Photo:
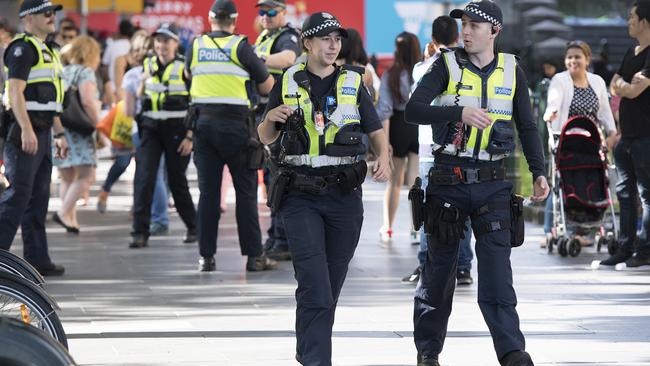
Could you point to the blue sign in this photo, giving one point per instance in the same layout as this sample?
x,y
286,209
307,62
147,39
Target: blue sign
x,y
385,19
212,55
349,91
502,91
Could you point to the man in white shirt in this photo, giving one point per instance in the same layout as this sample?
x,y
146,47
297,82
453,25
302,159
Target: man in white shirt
x,y
444,35
114,49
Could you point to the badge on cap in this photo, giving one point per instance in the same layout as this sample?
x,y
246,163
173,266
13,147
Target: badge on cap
x,y
328,16
18,51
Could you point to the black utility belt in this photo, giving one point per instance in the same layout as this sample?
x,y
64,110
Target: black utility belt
x,y
461,175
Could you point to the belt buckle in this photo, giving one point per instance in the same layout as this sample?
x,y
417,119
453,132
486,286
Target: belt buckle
x,y
471,176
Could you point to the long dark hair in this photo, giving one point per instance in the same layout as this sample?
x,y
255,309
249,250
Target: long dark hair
x,y
407,54
352,49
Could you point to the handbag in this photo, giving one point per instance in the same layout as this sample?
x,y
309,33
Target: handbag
x,y
74,117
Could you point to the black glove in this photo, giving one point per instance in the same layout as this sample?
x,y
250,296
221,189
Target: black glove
x,y
450,224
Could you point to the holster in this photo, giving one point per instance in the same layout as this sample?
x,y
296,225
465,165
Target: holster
x,y
352,177
190,118
5,119
279,186
517,227
416,196
255,153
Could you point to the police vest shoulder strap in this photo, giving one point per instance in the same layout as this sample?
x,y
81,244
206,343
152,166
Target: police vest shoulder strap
x,y
509,69
291,85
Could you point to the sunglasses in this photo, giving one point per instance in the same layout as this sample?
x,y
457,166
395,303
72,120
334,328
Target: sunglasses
x,y
269,13
48,13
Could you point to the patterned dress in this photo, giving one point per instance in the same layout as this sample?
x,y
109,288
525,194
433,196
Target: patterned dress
x,y
82,148
584,103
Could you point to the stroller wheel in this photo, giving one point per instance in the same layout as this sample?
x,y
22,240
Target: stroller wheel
x,y
611,246
574,247
562,246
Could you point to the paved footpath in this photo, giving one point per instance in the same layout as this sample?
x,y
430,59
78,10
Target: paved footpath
x,y
151,307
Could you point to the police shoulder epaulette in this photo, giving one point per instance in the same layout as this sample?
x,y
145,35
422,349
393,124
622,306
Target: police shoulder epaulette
x,y
358,69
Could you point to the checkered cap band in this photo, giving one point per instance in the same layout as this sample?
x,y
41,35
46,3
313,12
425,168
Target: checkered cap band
x,y
473,8
35,9
329,23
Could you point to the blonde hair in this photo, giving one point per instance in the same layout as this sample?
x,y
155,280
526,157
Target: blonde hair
x,y
140,45
84,50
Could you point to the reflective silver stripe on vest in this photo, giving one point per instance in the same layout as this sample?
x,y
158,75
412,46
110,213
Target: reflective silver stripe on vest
x,y
161,88
509,66
318,161
455,73
41,74
164,114
451,149
219,69
36,106
463,100
219,100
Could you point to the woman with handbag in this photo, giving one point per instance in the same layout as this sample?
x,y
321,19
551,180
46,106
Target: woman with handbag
x,y
77,170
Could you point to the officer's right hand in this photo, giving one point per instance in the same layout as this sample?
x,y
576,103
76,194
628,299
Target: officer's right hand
x,y
279,114
476,117
30,142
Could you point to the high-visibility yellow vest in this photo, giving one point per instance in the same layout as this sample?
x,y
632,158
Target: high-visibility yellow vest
x,y
217,75
496,94
346,116
48,70
160,87
264,43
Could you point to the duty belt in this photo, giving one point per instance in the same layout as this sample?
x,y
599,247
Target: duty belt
x,y
459,175
318,161
312,184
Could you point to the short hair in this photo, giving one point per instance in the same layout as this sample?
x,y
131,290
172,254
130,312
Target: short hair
x,y
84,50
222,19
126,28
444,30
581,45
70,28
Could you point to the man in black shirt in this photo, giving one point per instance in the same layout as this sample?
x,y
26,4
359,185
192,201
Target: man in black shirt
x,y
35,94
632,153
479,96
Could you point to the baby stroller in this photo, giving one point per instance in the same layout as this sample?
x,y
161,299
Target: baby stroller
x,y
581,193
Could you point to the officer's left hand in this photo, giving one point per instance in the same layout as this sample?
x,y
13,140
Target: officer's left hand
x,y
382,169
540,189
61,145
185,148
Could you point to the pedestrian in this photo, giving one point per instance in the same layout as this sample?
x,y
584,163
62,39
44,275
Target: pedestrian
x,y
277,46
222,65
115,48
473,97
165,102
78,168
35,96
444,37
394,92
354,53
576,92
632,153
322,110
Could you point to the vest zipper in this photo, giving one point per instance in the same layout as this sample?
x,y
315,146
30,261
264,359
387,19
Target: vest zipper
x,y
479,133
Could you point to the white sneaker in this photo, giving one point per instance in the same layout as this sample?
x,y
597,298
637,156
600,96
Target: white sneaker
x,y
385,236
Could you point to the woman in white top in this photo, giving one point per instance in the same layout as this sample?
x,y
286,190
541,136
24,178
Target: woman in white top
x,y
577,92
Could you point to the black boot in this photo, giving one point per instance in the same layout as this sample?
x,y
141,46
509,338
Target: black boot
x,y
516,358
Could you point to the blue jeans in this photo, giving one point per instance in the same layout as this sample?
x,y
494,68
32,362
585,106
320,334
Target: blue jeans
x,y
117,169
465,254
548,214
159,212
633,165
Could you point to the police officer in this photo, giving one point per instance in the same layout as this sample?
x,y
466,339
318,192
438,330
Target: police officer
x,y
35,95
165,102
222,66
479,96
278,47
318,113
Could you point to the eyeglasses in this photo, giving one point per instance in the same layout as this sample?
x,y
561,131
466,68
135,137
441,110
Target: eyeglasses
x,y
48,13
269,13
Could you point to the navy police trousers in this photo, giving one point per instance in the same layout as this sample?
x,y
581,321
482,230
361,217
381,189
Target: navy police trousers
x,y
496,295
323,232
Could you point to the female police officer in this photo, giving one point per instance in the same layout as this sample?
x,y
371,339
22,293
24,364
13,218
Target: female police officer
x,y
478,96
317,189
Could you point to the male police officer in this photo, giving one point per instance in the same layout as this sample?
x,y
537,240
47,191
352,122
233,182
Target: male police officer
x,y
479,96
278,47
35,96
164,107
222,66
322,110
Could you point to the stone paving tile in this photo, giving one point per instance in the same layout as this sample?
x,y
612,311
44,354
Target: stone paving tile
x,y
151,307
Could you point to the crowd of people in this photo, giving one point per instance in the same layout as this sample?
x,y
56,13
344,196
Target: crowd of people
x,y
218,99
